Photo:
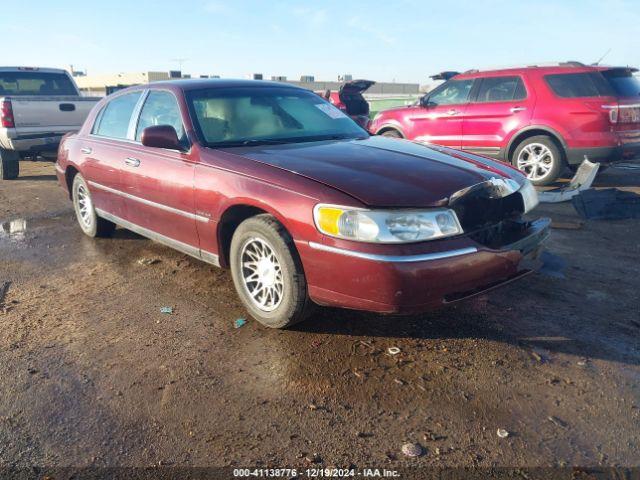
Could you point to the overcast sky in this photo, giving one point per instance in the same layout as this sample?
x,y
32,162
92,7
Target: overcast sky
x,y
401,40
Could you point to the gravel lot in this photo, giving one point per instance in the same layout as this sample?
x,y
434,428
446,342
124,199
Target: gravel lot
x,y
92,374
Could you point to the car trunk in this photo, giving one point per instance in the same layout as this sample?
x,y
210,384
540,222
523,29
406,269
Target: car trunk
x,y
350,95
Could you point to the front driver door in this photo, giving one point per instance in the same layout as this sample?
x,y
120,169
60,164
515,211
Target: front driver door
x,y
439,119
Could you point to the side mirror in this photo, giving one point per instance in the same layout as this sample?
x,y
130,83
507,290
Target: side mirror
x,y
424,102
161,136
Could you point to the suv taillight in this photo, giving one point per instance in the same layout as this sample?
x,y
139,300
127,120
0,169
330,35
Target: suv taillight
x,y
614,111
6,115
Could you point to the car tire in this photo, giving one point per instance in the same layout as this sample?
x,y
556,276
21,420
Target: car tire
x,y
9,165
391,134
548,163
264,260
89,221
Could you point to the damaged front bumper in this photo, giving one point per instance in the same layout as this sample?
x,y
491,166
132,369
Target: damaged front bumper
x,y
406,281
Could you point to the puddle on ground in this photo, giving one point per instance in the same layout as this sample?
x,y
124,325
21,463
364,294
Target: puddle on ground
x,y
14,229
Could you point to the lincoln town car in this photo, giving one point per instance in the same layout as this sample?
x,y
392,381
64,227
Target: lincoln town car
x,y
301,204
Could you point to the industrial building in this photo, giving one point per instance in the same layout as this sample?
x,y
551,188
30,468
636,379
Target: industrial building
x,y
104,84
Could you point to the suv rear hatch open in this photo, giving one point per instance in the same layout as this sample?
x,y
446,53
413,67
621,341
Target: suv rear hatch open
x,y
350,95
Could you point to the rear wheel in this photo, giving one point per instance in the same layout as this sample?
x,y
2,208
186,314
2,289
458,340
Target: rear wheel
x,y
391,134
267,273
88,220
9,165
540,159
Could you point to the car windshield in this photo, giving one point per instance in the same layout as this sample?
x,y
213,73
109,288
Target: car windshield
x,y
262,115
623,82
35,83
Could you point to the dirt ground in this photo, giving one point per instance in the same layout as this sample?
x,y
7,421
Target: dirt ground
x,y
92,374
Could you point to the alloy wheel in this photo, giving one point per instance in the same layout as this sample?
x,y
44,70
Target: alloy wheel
x,y
535,160
262,274
85,206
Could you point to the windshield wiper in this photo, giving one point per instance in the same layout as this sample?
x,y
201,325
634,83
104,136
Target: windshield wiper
x,y
247,143
282,141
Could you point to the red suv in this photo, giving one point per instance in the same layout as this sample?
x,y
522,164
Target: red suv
x,y
540,119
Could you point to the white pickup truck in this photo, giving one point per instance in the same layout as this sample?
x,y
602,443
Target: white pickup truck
x,y
37,107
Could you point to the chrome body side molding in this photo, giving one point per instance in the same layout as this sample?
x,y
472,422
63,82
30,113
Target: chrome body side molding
x,y
166,208
205,256
423,257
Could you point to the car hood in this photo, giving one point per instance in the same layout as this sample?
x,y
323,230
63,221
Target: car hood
x,y
383,172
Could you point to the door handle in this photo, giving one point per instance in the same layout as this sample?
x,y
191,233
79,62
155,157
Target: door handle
x,y
132,162
453,111
86,150
517,109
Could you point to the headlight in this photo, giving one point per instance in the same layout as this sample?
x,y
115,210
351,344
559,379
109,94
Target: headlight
x,y
529,196
386,226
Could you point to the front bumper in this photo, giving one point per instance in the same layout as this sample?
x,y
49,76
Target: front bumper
x,y
418,282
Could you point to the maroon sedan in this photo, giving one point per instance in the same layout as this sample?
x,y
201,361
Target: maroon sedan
x,y
303,206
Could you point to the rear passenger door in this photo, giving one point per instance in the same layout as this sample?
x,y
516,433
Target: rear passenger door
x,y
499,106
103,150
159,182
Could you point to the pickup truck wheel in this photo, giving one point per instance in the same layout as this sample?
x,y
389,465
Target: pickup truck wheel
x,y
89,222
540,159
9,165
391,134
267,273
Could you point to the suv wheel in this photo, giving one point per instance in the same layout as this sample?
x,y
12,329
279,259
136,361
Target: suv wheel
x,y
267,273
391,134
9,165
540,159
88,220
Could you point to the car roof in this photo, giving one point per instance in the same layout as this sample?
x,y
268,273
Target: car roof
x,y
569,67
200,83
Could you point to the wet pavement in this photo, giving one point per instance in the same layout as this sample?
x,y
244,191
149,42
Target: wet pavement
x,y
92,373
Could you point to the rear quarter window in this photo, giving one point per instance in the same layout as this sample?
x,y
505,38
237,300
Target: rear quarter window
x,y
577,85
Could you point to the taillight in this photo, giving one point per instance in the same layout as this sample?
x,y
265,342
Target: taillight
x,y
6,114
613,112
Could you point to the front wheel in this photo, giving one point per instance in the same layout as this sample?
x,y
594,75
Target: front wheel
x,y
88,220
9,165
267,273
540,159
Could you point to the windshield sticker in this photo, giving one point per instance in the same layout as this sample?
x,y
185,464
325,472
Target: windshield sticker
x,y
330,111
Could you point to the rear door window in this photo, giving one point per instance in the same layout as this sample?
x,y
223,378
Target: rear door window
x,y
36,83
576,85
160,108
501,89
113,120
452,92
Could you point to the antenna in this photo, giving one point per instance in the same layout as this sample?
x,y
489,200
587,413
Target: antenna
x,y
602,57
179,61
